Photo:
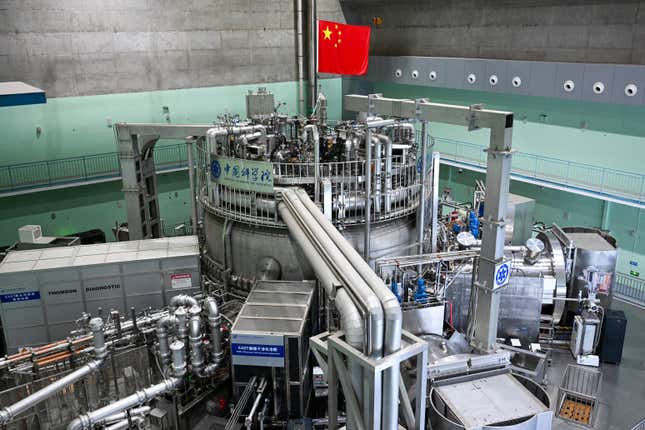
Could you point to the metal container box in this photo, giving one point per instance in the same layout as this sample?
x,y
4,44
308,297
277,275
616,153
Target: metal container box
x,y
597,252
43,292
270,338
519,219
260,103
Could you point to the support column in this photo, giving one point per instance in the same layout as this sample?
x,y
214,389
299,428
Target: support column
x,y
485,292
139,183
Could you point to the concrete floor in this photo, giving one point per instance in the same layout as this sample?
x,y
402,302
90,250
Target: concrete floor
x,y
622,390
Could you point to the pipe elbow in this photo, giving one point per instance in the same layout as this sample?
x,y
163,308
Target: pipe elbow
x,y
182,300
77,424
392,309
212,308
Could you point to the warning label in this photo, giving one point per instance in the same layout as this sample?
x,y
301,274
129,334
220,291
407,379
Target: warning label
x,y
181,280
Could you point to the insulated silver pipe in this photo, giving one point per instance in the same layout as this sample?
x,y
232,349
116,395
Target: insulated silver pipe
x,y
125,424
195,339
182,300
181,318
351,320
390,306
214,321
100,350
345,272
88,420
143,410
164,324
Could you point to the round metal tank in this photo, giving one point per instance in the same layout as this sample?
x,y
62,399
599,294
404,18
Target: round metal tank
x,y
441,418
244,248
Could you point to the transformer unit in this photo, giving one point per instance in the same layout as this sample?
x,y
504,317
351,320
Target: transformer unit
x,y
270,338
43,291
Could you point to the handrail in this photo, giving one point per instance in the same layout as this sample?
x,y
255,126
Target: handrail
x,y
630,289
623,186
582,178
38,175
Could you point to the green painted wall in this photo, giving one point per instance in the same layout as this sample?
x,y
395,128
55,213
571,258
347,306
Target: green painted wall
x,y
625,223
594,133
66,211
74,126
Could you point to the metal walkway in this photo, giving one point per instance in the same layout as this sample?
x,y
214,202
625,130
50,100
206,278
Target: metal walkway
x,y
603,183
593,181
75,171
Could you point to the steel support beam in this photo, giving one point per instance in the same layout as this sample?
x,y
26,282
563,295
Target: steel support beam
x,y
500,123
135,145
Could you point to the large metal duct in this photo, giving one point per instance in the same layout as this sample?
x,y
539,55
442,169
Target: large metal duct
x,y
391,310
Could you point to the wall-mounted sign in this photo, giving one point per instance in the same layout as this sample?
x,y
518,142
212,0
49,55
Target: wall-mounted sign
x,y
243,174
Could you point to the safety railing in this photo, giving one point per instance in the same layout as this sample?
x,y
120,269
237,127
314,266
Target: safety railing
x,y
548,171
77,170
603,181
395,191
630,288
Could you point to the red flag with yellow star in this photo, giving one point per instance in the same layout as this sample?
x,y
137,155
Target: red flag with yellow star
x,y
343,49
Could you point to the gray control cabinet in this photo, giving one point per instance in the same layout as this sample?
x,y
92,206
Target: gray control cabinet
x,y
43,292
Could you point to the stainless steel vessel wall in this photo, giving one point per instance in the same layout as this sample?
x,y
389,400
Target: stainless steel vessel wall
x,y
249,244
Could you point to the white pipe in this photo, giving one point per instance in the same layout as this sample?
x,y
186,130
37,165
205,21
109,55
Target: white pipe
x,y
344,270
351,320
214,321
390,306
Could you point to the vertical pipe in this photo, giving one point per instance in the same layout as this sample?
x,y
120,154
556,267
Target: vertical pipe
x,y
313,54
191,181
434,216
368,192
300,54
422,196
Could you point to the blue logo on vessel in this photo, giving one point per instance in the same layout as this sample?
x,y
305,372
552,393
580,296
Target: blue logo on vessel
x,y
20,297
258,350
216,169
502,275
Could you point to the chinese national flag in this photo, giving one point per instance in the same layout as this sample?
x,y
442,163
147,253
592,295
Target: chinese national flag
x,y
343,49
